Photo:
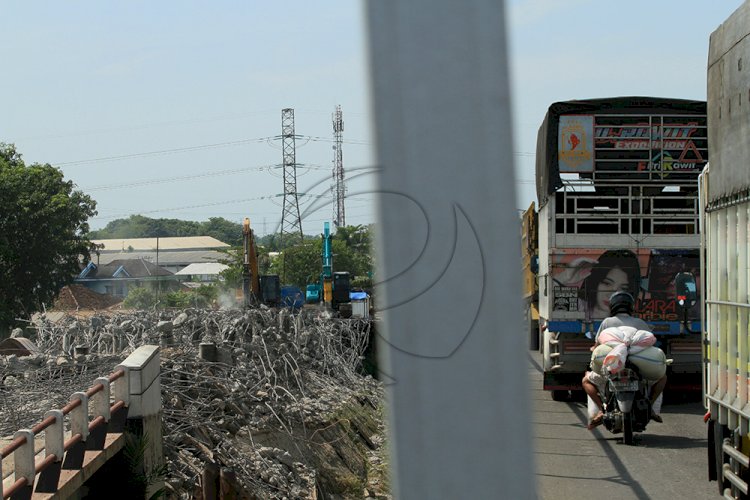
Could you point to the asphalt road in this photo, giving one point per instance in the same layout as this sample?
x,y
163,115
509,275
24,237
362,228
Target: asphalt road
x,y
668,461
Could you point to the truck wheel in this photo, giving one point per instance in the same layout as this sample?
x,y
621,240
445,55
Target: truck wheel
x,y
720,432
559,395
533,326
711,448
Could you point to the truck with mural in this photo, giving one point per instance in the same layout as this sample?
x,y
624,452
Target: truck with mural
x,y
529,268
617,186
725,204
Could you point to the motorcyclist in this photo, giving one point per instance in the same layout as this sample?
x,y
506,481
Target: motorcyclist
x,y
621,306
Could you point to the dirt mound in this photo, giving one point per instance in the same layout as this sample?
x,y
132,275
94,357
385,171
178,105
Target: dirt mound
x,y
77,297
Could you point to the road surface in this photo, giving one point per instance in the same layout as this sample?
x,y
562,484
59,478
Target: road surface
x,y
669,460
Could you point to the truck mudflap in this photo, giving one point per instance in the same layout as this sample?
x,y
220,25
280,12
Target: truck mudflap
x,y
685,373
683,382
563,381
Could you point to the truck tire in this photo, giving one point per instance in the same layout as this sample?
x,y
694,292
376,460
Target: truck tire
x,y
711,448
533,327
559,395
719,433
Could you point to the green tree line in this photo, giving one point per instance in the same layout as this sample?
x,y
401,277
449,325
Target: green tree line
x,y
43,235
138,226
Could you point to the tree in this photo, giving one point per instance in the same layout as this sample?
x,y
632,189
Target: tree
x,y
223,230
358,256
43,234
140,298
300,264
138,226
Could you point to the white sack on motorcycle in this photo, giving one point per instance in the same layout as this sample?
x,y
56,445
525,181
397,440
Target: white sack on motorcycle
x,y
636,345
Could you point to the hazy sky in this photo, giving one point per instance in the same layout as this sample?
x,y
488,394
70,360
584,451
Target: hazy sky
x,y
170,109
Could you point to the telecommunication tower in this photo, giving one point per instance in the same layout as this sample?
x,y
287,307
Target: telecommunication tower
x,y
291,223
339,189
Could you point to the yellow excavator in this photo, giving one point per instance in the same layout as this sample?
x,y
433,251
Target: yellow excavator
x,y
256,289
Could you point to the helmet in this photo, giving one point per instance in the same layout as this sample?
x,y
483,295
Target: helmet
x,y
621,302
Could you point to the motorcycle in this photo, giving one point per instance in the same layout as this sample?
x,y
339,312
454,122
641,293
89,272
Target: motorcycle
x,y
627,408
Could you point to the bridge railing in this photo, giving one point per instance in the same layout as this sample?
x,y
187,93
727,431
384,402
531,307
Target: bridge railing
x,y
85,412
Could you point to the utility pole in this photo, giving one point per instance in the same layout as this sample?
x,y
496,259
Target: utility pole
x,y
291,223
339,190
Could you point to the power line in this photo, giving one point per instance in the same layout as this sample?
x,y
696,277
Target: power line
x,y
316,138
164,151
188,207
240,142
148,182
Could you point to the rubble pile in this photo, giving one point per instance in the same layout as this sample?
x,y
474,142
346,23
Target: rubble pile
x,y
275,399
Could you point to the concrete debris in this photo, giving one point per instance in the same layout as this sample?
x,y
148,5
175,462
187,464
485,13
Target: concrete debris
x,y
273,401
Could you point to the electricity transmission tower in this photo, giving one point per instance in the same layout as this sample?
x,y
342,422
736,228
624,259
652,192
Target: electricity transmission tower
x,y
291,222
339,190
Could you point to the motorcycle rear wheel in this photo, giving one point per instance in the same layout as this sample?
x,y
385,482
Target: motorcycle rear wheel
x,y
627,428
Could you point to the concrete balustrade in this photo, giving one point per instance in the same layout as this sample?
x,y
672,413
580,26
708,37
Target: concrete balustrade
x,y
134,387
79,416
54,435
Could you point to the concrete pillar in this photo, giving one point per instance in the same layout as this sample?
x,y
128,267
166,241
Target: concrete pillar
x,y
144,411
208,352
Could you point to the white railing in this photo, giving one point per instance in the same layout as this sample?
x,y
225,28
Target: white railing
x,y
85,412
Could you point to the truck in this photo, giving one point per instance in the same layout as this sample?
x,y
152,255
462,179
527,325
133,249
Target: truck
x,y
529,269
617,188
725,289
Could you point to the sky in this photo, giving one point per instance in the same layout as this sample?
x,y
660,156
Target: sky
x,y
173,109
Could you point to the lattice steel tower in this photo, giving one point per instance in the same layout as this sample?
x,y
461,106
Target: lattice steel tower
x,y
339,189
291,223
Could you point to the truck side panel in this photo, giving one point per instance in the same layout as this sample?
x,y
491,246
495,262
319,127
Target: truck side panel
x,y
725,202
726,191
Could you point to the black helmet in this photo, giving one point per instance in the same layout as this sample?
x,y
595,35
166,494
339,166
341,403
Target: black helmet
x,y
620,302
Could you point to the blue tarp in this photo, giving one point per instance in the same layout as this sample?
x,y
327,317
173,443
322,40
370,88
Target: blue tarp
x,y
357,295
291,296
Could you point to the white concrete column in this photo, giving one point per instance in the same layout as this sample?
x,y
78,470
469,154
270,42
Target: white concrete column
x,y
144,413
144,381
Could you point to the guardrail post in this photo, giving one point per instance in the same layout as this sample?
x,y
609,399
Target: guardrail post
x,y
121,387
24,457
54,436
79,416
101,399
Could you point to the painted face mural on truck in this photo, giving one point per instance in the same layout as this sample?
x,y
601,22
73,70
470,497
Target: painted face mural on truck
x,y
585,279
